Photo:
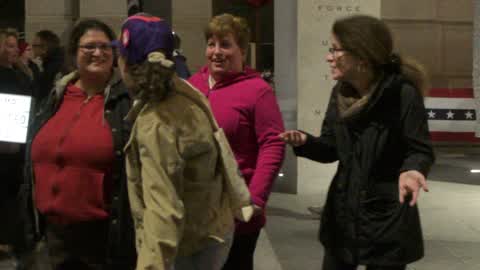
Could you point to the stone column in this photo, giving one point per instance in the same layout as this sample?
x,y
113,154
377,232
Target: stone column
x,y
303,84
112,12
189,18
286,82
476,61
55,15
159,8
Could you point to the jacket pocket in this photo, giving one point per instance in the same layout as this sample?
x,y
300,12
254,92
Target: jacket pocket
x,y
194,149
381,213
83,191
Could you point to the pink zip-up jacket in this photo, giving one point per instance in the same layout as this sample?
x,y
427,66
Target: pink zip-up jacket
x,y
245,106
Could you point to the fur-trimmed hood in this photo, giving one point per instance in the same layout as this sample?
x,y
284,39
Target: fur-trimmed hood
x,y
62,83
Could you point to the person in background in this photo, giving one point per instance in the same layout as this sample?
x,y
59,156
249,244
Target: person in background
x,y
75,193
246,108
12,81
179,59
25,54
46,47
376,128
183,217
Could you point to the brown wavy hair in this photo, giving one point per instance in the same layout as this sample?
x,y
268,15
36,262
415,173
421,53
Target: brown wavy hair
x,y
370,39
151,80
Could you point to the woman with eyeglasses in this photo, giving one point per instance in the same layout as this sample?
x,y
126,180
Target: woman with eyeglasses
x,y
376,128
75,163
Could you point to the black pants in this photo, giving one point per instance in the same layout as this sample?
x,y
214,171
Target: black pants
x,y
78,246
241,253
11,224
330,262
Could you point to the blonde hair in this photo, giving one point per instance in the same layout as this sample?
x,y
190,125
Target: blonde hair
x,y
225,24
8,32
12,32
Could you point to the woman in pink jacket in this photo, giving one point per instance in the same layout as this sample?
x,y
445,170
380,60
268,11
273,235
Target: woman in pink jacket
x,y
246,108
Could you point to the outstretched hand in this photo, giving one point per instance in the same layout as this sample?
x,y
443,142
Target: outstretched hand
x,y
294,137
410,182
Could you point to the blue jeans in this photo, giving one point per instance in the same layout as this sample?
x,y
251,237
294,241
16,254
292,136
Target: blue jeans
x,y
212,257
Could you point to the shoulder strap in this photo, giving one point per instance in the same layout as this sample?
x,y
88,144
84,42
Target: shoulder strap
x,y
235,185
187,90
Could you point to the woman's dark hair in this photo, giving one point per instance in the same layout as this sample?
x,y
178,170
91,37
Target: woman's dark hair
x,y
83,26
51,40
370,39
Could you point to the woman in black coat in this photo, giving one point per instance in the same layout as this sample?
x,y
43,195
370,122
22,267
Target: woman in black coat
x,y
376,128
12,81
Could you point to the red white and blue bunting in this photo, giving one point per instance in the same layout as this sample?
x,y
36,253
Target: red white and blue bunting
x,y
476,62
452,115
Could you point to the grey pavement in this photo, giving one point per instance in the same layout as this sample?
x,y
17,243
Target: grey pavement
x,y
450,220
449,213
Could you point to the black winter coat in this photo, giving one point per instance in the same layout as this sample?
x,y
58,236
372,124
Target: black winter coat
x,y
363,221
121,252
52,67
181,66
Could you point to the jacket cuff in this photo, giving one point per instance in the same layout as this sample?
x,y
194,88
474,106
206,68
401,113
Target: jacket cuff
x,y
421,166
301,150
259,202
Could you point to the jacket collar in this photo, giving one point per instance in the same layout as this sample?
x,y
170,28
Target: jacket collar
x,y
55,55
231,78
351,106
110,92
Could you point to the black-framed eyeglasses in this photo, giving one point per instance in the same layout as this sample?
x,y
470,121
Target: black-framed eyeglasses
x,y
333,51
91,47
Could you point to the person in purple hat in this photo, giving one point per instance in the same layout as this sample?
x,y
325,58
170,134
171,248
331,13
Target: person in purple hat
x,y
183,218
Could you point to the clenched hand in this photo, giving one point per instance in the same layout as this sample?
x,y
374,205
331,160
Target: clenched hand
x,y
294,137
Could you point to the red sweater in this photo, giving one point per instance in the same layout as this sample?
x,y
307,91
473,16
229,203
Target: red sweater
x,y
72,158
245,106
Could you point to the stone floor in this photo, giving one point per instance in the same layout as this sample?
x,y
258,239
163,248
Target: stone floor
x,y
449,212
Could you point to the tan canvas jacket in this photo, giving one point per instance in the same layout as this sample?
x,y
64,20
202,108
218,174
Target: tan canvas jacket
x,y
176,192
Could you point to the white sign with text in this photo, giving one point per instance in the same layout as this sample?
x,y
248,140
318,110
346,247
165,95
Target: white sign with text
x,y
14,114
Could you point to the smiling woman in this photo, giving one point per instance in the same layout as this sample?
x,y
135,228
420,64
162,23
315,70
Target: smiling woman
x,y
93,54
79,175
376,128
246,108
